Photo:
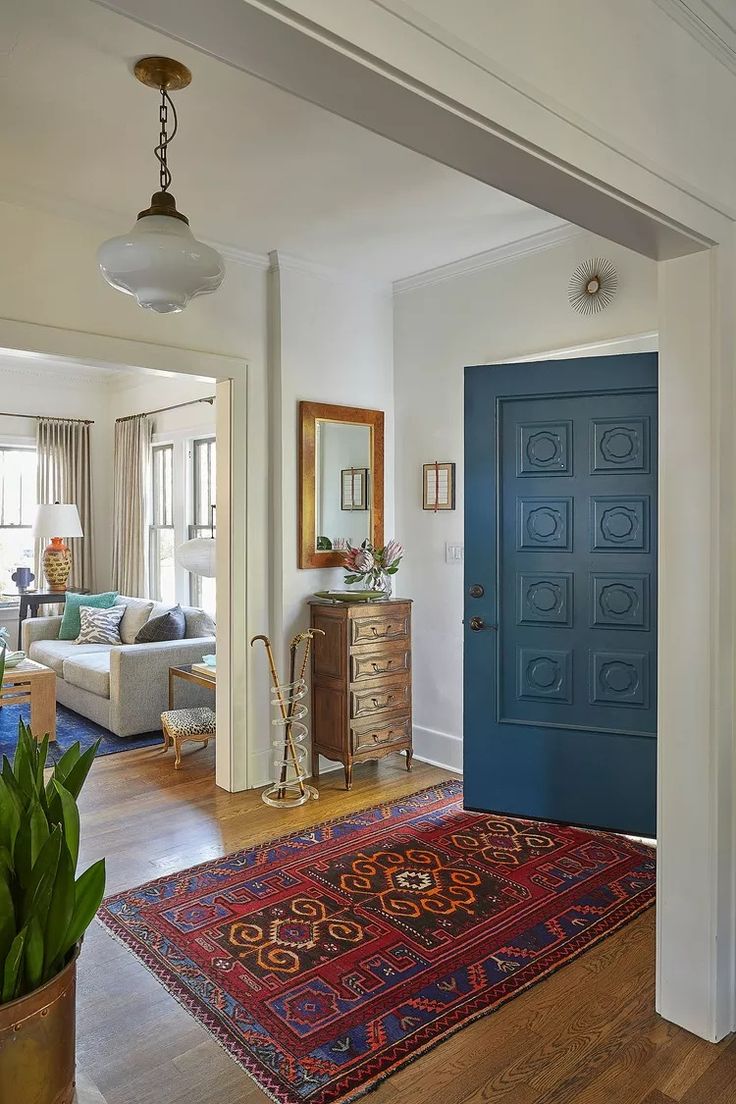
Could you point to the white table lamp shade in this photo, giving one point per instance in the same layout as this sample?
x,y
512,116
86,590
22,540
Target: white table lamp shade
x,y
198,556
57,519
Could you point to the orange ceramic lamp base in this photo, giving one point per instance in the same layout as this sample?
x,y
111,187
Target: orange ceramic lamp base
x,y
57,564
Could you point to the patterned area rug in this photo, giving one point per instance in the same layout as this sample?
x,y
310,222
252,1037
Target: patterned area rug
x,y
70,727
326,960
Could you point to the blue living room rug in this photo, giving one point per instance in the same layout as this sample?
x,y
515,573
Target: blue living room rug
x,y
70,727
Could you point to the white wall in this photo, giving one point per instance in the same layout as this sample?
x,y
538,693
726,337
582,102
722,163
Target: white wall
x,y
332,341
502,312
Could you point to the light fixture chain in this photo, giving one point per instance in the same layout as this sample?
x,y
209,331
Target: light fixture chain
x,y
163,141
164,138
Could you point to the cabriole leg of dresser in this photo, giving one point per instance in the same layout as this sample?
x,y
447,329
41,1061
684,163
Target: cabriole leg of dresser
x,y
348,776
409,757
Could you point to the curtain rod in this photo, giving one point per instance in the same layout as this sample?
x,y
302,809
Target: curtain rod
x,y
162,409
46,418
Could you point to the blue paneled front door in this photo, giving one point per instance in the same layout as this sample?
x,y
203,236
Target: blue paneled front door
x,y
560,590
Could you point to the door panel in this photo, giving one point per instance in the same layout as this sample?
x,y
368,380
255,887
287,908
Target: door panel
x,y
560,684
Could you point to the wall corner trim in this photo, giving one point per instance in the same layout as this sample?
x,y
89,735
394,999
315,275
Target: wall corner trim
x,y
501,254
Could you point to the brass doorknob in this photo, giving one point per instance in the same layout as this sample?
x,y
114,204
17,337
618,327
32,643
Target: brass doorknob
x,y
477,623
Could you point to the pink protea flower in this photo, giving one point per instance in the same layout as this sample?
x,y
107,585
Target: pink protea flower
x,y
392,553
349,558
364,561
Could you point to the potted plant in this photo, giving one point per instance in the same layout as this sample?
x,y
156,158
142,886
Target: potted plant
x,y
44,911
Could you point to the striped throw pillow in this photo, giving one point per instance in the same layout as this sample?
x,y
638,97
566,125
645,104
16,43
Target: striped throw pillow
x,y
100,626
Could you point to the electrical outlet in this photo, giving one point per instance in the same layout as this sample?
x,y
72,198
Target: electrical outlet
x,y
454,553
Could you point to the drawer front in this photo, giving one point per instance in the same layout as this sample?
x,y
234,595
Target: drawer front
x,y
369,701
382,735
378,663
387,626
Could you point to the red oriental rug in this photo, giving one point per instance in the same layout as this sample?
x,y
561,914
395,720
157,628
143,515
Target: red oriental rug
x,y
328,959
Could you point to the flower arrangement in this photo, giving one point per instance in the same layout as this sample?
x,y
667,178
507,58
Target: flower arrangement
x,y
373,566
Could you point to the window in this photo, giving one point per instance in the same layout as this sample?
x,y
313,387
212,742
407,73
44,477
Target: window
x,y
17,508
203,454
162,538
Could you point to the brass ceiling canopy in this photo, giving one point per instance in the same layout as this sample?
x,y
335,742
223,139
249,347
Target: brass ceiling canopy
x,y
162,72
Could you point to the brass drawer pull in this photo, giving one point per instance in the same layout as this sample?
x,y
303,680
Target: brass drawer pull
x,y
375,631
381,670
377,701
387,736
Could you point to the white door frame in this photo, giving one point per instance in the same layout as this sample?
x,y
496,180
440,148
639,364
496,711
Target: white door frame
x,y
57,347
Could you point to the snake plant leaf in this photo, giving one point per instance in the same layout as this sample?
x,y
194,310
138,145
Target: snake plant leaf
x,y
7,917
23,768
70,821
34,953
74,780
43,751
37,897
9,817
12,969
62,768
6,862
32,835
61,910
11,784
88,893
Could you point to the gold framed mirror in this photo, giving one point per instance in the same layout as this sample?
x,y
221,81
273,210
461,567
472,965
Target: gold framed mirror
x,y
340,481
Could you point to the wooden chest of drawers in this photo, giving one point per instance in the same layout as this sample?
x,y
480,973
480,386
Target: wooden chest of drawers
x,y
361,682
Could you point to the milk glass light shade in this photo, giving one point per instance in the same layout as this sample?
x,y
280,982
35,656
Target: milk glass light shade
x,y
198,556
161,264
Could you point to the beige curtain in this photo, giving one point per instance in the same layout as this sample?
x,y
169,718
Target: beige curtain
x,y
130,511
64,474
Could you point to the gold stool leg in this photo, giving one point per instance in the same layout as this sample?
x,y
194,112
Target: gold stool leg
x,y
177,749
167,738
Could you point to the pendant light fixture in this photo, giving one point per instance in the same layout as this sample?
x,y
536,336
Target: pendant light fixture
x,y
160,261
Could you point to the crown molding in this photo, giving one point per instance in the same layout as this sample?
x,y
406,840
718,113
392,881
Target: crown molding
x,y
288,262
704,22
501,254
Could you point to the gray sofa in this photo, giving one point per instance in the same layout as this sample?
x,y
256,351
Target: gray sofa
x,y
124,688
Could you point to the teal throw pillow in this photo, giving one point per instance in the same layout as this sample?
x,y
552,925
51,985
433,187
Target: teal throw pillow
x,y
70,623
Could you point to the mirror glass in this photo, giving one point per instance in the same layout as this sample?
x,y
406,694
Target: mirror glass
x,y
343,485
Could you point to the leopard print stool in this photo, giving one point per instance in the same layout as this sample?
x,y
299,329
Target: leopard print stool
x,y
187,724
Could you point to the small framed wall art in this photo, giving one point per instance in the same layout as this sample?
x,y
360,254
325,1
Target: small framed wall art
x,y
354,489
438,486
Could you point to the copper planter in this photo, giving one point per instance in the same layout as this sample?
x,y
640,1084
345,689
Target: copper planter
x,y
37,1041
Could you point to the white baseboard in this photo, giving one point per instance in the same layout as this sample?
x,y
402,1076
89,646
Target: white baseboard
x,y
440,749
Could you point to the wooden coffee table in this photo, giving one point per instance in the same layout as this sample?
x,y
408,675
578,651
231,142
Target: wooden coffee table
x,y
34,683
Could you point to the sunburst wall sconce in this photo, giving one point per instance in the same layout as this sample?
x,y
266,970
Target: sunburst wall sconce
x,y
593,286
160,262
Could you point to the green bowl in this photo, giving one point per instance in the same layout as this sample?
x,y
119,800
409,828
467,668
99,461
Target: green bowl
x,y
351,595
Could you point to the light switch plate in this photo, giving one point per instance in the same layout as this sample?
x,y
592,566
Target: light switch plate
x,y
454,553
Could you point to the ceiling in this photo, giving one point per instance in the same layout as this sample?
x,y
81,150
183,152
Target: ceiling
x,y
253,167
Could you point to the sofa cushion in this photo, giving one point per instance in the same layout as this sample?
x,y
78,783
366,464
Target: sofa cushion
x,y
169,626
89,672
198,623
137,612
52,653
70,621
100,626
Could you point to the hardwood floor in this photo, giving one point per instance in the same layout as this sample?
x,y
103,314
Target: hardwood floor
x,y
586,1035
